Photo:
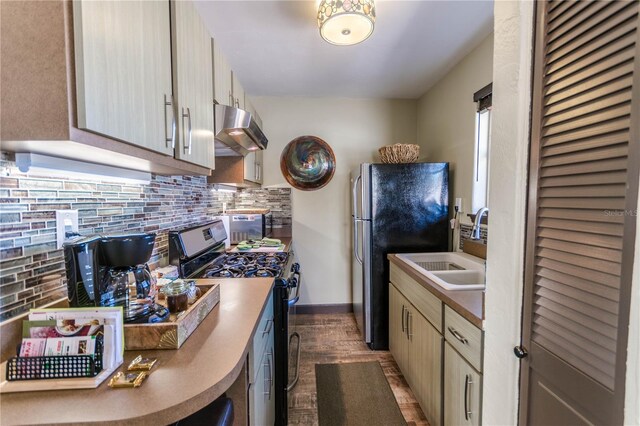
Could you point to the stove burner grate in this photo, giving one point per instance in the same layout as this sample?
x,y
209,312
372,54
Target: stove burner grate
x,y
249,265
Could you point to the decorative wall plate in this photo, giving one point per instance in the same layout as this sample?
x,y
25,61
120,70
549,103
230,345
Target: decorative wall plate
x,y
307,163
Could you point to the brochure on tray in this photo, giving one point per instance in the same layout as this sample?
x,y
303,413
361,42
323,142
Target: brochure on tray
x,y
82,323
111,319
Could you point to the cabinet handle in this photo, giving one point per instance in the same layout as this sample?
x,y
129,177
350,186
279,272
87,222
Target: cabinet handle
x,y
268,376
172,139
268,327
467,394
409,325
403,309
187,147
458,336
237,102
230,98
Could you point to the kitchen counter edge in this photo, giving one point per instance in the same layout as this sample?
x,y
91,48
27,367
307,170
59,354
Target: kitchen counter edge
x,y
185,380
469,304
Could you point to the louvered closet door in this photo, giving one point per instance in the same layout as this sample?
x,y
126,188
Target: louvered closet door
x,y
581,222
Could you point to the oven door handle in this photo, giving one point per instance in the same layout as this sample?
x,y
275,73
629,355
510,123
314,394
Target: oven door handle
x,y
293,382
294,283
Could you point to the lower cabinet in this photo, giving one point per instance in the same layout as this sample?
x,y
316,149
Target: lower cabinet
x,y
261,392
398,342
417,348
462,390
438,351
262,408
425,365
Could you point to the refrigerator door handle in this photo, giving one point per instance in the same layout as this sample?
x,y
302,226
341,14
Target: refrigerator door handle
x,y
354,197
356,246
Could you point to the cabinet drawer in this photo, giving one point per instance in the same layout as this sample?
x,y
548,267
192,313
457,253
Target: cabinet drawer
x,y
425,302
465,337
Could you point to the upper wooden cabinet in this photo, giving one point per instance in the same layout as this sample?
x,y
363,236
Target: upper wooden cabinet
x,y
238,92
253,167
109,109
227,88
123,71
192,85
222,86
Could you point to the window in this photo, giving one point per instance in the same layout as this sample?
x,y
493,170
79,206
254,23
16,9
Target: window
x,y
481,153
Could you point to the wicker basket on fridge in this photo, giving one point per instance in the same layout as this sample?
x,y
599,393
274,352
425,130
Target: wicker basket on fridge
x,y
399,153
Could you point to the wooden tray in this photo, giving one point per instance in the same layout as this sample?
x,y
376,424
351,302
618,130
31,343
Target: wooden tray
x,y
173,333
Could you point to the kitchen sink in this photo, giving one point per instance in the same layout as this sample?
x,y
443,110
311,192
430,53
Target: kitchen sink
x,y
451,271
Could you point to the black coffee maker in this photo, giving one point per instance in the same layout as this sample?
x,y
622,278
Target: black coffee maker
x,y
111,270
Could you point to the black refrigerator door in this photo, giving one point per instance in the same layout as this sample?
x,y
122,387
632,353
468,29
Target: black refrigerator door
x,y
409,213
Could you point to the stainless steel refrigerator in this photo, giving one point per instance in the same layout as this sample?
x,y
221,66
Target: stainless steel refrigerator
x,y
396,208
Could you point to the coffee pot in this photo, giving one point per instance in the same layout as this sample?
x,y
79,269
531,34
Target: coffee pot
x,y
111,270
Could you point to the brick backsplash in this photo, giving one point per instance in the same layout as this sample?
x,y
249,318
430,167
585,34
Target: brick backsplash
x,y
32,269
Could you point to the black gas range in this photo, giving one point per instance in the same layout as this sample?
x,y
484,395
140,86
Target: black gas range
x,y
199,252
248,265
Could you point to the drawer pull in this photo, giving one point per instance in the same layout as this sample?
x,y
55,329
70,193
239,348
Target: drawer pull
x,y
403,309
268,327
458,336
467,386
409,326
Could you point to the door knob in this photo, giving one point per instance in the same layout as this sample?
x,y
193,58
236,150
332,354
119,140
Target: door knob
x,y
520,351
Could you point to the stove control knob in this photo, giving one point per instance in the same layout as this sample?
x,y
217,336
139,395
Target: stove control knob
x,y
295,268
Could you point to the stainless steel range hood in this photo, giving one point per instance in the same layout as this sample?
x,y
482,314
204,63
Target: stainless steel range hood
x,y
237,133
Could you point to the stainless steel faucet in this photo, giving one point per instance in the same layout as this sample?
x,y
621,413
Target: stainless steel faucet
x,y
475,231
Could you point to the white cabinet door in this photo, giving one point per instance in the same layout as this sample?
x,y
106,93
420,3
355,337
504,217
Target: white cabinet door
x,y
262,408
462,390
258,120
222,90
193,85
250,168
398,338
425,365
259,166
123,71
248,106
238,93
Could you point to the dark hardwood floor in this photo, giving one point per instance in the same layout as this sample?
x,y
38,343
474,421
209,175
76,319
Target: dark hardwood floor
x,y
334,338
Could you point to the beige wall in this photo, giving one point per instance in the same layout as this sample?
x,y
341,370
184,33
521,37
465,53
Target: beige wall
x,y
355,129
446,118
513,26
632,391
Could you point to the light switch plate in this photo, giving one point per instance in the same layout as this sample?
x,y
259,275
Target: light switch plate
x,y
66,221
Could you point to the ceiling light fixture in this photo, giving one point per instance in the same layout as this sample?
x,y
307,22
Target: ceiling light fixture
x,y
346,22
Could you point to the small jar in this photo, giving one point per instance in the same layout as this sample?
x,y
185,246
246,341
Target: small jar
x,y
177,295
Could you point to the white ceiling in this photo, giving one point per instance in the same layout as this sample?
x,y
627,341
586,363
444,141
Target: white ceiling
x,y
275,49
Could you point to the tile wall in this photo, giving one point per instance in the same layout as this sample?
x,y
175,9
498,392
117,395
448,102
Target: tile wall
x,y
465,233
276,199
32,269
